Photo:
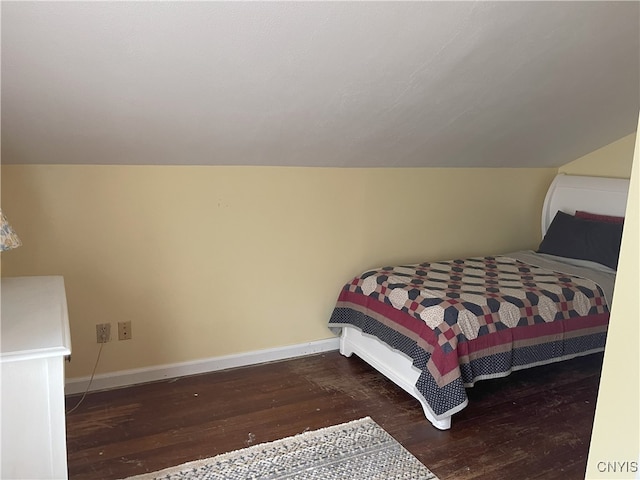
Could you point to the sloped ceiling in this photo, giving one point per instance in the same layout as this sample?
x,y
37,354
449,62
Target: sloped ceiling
x,y
357,84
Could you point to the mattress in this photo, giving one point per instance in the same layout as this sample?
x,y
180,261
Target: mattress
x,y
469,319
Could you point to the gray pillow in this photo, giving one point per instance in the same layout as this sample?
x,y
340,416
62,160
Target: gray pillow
x,y
573,237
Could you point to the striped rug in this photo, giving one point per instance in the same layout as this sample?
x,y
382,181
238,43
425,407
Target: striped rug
x,y
360,449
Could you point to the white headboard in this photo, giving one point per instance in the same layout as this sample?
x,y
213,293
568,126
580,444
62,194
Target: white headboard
x,y
568,193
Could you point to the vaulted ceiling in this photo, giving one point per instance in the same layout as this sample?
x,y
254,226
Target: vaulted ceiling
x,y
353,84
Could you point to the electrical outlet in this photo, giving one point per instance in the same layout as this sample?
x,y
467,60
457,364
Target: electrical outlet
x,y
103,332
124,330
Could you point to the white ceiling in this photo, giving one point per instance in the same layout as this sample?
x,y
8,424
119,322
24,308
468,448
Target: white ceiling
x,y
353,84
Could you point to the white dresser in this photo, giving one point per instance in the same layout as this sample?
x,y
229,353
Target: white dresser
x,y
34,341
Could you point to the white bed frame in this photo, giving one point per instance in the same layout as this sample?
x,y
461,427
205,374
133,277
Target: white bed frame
x,y
568,193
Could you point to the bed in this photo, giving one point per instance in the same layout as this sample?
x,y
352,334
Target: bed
x,y
436,328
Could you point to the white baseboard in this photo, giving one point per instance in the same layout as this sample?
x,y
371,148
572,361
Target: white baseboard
x,y
125,378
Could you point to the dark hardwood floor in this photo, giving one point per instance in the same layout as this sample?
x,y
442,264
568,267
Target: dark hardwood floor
x,y
534,424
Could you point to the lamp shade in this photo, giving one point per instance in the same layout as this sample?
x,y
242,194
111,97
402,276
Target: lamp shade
x,y
8,238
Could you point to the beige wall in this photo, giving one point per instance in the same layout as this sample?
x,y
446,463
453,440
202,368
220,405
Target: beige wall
x,y
617,422
613,160
211,261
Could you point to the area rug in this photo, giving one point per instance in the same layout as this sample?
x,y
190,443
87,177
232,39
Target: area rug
x,y
356,450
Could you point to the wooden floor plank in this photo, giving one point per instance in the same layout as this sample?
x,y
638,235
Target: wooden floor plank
x,y
533,424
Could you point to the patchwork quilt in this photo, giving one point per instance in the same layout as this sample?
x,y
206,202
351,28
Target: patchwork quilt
x,y
469,319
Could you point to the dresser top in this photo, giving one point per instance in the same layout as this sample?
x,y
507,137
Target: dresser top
x,y
34,322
